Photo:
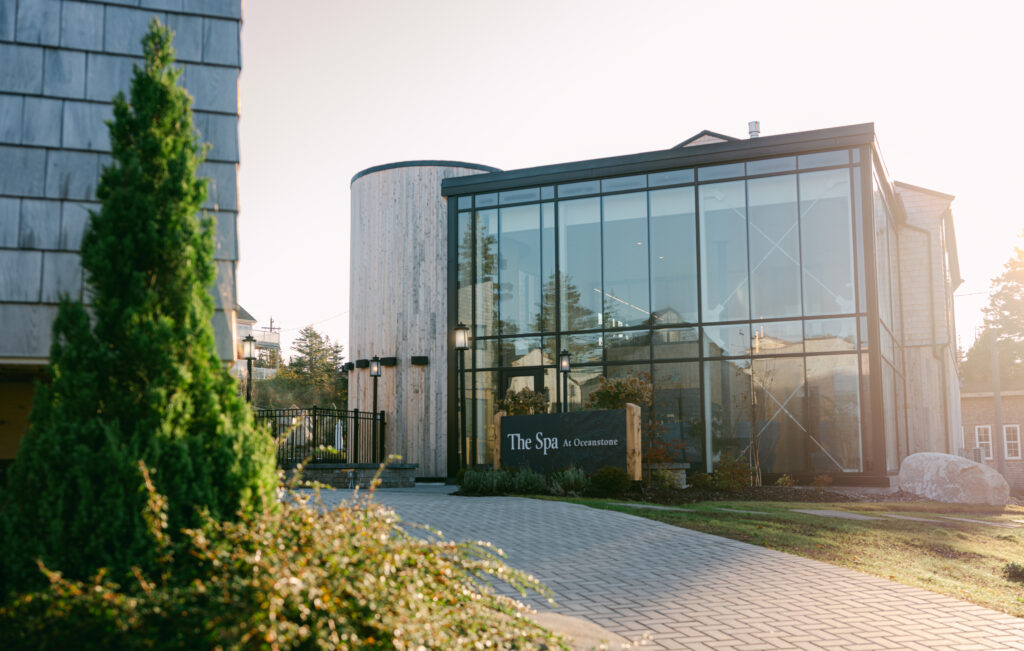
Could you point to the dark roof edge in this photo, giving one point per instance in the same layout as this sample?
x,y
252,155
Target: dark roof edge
x,y
243,314
703,133
920,189
719,152
423,163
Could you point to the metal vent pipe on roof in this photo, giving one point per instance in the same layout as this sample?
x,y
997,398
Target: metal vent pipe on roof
x,y
754,128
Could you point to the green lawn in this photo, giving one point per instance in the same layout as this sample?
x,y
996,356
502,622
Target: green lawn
x,y
965,560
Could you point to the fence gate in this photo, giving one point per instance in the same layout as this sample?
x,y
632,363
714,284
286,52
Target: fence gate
x,y
305,435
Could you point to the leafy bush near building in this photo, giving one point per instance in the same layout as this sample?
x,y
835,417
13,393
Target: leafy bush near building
x,y
609,481
137,376
731,475
298,577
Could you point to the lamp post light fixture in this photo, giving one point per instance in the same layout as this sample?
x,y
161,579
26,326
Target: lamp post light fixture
x,y
461,345
375,374
564,367
249,353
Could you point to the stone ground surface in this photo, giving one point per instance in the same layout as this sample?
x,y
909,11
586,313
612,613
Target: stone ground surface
x,y
690,590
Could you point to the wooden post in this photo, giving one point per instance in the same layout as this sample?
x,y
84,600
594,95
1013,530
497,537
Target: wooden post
x,y
495,440
634,465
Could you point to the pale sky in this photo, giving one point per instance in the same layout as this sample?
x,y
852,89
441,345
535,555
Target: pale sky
x,y
331,87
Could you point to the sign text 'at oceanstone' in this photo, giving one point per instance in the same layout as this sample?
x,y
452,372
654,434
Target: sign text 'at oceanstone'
x,y
551,442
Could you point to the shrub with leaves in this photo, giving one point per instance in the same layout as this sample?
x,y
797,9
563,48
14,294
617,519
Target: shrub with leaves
x,y
617,392
485,482
1014,572
300,577
609,481
137,376
731,475
702,480
822,481
786,480
571,482
525,402
528,482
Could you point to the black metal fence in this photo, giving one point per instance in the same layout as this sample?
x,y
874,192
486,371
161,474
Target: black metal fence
x,y
326,435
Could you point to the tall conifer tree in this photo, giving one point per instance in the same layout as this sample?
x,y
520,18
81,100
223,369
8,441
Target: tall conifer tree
x,y
137,376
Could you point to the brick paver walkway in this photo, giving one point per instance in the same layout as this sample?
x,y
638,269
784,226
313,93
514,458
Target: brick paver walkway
x,y
691,590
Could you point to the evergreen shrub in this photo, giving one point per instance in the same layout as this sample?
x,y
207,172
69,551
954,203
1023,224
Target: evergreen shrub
x,y
528,482
571,482
485,482
609,481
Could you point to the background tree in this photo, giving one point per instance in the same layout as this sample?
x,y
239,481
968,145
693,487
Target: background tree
x,y
313,376
1005,315
139,378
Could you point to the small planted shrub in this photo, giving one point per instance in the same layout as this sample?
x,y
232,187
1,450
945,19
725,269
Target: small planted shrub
x,y
571,482
609,481
731,475
822,481
786,480
525,402
1014,572
702,481
485,482
528,482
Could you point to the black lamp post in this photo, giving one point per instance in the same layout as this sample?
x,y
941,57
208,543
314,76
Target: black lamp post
x,y
461,344
375,374
563,368
249,353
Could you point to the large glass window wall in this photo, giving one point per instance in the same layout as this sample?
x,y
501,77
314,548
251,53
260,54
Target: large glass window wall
x,y
738,289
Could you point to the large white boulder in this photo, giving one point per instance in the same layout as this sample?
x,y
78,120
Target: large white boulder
x,y
952,479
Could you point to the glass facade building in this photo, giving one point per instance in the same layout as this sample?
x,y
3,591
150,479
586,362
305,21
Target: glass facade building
x,y
755,281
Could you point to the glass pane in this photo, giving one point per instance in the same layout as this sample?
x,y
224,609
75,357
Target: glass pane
x,y
827,335
642,371
679,427
520,273
486,200
727,340
858,232
464,273
782,442
670,178
583,382
826,242
624,183
894,284
522,351
864,333
485,354
777,338
824,159
881,234
770,165
580,258
547,192
482,407
892,448
727,409
833,398
465,203
584,348
676,342
519,196
723,251
626,290
774,247
622,346
673,256
577,189
486,273
714,172
548,274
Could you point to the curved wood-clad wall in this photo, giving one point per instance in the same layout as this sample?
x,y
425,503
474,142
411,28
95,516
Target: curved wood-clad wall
x,y
399,304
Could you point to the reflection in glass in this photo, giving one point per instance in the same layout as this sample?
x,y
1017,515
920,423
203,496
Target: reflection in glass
x,y
465,203
545,320
726,409
486,273
577,189
770,165
623,346
584,348
464,273
520,268
715,172
826,242
674,343
485,353
582,382
482,407
547,192
486,200
833,395
580,258
626,290
892,447
519,196
642,371
673,256
774,247
677,413
827,335
670,178
723,251
883,281
824,159
521,351
777,338
624,183
782,442
727,340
